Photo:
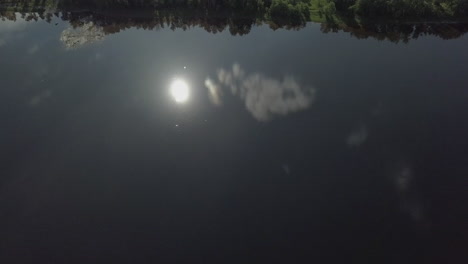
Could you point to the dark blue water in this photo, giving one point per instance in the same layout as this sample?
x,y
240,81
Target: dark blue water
x,y
273,147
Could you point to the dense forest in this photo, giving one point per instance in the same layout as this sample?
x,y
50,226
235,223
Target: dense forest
x,y
406,19
296,10
111,23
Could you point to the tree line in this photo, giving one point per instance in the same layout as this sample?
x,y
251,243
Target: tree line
x,y
112,23
292,11
239,16
404,8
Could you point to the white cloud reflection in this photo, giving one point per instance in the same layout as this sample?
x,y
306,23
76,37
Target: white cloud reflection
x,y
38,99
33,49
214,91
88,33
410,201
263,96
357,136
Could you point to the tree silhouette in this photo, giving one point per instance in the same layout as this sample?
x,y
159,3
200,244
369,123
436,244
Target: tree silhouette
x,y
236,16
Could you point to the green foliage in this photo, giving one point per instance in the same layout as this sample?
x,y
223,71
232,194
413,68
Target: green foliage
x,y
296,11
327,7
410,8
216,16
250,5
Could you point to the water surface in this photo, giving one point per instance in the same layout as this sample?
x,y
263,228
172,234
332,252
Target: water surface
x,y
173,146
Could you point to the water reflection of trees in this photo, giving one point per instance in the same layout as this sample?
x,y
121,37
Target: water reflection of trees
x,y
236,24
113,22
213,24
397,32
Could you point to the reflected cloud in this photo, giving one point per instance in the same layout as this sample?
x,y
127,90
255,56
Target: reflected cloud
x,y
409,198
98,56
33,49
88,33
214,91
286,169
263,96
95,57
38,99
358,136
403,179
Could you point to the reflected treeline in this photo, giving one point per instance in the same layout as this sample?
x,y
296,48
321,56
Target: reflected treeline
x,y
116,21
397,32
110,22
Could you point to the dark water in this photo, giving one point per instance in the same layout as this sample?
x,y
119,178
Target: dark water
x,y
291,147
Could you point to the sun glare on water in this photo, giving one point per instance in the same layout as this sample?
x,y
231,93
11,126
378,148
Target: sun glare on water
x,y
180,91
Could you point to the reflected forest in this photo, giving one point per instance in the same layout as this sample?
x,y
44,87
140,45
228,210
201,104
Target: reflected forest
x,y
395,21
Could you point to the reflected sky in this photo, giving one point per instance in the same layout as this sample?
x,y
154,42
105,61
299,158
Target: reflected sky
x,y
166,132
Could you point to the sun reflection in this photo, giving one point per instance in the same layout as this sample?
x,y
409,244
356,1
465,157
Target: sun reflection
x,y
180,91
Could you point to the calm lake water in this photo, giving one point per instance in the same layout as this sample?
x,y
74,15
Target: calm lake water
x,y
286,146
